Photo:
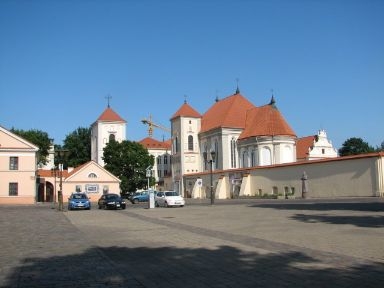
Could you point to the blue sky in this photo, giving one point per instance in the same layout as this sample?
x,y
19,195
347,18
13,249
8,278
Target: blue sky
x,y
323,60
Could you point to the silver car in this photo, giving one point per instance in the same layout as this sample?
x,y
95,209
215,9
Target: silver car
x,y
169,199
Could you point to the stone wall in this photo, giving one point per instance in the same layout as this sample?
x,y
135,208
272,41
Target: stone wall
x,y
353,176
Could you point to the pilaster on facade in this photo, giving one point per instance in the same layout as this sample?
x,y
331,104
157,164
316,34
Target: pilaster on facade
x,y
245,189
222,190
380,175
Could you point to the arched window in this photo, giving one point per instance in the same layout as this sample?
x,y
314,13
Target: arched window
x,y
287,154
266,156
92,175
176,145
216,155
205,150
112,137
245,159
190,143
233,153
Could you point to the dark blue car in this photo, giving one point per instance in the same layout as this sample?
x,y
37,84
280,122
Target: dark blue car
x,y
79,200
111,201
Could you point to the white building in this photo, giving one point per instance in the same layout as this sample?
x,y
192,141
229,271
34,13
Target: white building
x,y
108,126
239,133
315,147
161,170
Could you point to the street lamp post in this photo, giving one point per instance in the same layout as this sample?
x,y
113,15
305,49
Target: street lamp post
x,y
61,154
210,161
54,174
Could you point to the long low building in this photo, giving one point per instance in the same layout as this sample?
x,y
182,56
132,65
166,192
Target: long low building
x,y
350,176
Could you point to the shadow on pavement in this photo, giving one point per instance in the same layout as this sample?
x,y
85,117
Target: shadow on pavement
x,y
360,221
174,267
325,206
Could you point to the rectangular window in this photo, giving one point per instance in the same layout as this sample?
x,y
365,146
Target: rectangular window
x,y
105,189
13,163
91,188
13,189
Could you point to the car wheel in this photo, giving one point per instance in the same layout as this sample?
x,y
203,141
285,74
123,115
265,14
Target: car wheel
x,y
135,201
166,204
100,207
156,204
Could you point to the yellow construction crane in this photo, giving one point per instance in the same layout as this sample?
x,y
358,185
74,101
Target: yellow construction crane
x,y
151,124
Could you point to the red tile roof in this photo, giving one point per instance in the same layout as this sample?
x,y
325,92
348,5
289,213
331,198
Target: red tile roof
x,y
264,121
78,168
228,112
302,147
151,143
49,173
110,116
186,111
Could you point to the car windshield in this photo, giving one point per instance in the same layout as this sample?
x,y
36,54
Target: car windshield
x,y
172,193
112,196
79,196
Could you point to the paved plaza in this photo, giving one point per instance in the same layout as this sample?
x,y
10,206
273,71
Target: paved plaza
x,y
234,243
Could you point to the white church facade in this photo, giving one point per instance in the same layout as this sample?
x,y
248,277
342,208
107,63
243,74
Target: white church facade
x,y
239,134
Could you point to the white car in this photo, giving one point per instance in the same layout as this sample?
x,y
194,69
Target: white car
x,y
169,198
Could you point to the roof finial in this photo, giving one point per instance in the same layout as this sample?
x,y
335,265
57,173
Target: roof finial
x,y
217,96
185,99
237,86
272,103
108,97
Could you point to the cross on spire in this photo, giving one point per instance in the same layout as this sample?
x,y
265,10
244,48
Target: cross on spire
x,y
237,86
108,97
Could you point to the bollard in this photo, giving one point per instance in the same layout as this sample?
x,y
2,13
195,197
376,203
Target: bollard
x,y
304,185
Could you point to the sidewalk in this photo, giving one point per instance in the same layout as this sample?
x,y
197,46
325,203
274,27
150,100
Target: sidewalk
x,y
231,244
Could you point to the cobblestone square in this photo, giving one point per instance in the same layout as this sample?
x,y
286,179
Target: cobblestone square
x,y
234,243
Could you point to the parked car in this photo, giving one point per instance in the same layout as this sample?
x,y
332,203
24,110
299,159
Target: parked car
x,y
79,200
168,199
111,201
137,197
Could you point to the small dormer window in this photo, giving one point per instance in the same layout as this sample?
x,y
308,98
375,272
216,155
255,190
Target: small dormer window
x,y
92,175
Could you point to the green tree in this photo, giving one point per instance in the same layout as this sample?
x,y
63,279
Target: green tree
x,y
38,138
355,146
128,161
381,148
78,143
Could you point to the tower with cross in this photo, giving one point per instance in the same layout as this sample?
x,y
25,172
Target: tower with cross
x,y
109,126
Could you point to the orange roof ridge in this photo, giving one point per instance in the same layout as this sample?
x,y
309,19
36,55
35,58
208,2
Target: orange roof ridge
x,y
110,116
186,111
151,143
266,120
303,145
227,112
